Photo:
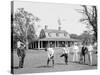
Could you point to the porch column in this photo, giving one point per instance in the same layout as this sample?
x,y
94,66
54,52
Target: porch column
x,y
42,44
38,44
33,44
55,44
48,43
58,44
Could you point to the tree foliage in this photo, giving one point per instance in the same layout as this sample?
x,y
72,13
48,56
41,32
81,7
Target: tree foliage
x,y
90,18
23,25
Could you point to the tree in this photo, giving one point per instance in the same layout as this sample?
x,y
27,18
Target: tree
x,y
90,18
86,37
23,25
74,36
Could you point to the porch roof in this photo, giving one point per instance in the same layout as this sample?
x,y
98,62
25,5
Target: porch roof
x,y
56,39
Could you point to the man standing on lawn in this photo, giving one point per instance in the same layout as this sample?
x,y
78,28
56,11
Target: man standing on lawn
x,y
83,53
50,52
75,53
90,52
65,54
21,52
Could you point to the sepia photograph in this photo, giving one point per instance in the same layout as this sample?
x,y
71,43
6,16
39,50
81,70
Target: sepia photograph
x,y
53,37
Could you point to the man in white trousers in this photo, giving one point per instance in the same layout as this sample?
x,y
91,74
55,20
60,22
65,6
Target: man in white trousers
x,y
50,53
75,53
90,52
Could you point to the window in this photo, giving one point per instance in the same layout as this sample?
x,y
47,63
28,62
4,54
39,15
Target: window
x,y
65,34
57,34
49,34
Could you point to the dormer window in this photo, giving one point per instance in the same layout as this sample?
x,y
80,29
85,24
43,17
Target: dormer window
x,y
57,34
65,34
49,34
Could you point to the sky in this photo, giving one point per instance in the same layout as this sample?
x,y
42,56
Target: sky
x,y
49,13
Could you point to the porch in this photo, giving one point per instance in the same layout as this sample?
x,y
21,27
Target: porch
x,y
56,42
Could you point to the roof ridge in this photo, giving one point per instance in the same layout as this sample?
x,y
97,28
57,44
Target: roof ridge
x,y
52,30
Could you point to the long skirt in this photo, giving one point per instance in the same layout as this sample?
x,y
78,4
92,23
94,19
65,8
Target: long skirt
x,y
76,57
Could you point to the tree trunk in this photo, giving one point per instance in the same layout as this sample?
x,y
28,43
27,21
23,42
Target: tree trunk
x,y
27,27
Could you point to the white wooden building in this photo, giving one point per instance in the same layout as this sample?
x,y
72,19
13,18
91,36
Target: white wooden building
x,y
50,36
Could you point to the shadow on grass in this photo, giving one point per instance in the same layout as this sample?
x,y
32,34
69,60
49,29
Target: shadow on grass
x,y
60,63
16,67
80,63
44,66
87,64
94,65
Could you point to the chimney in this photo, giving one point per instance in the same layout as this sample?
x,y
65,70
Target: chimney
x,y
59,28
46,27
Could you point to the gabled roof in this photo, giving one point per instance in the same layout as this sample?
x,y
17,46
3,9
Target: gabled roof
x,y
51,33
46,37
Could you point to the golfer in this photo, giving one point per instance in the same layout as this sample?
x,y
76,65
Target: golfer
x,y
50,53
65,54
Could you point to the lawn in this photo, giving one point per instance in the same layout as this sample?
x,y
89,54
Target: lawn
x,y
35,62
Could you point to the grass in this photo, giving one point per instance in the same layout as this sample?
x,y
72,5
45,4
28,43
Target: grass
x,y
35,62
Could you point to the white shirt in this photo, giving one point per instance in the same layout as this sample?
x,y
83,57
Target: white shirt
x,y
65,50
90,48
76,49
95,44
50,52
18,44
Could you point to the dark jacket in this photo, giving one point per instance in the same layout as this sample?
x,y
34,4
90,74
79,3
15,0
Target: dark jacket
x,y
21,52
84,50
